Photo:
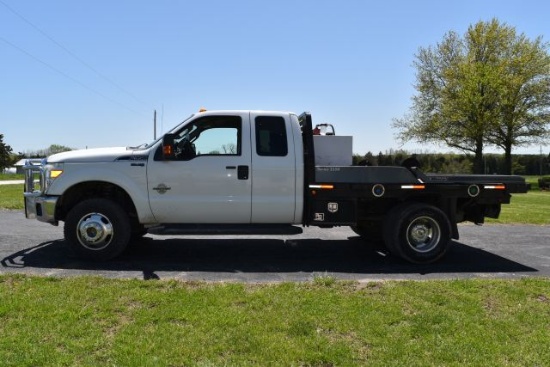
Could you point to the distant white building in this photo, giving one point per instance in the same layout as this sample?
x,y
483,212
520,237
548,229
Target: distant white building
x,y
18,167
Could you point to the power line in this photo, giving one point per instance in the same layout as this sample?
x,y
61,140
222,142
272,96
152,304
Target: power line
x,y
110,81
67,76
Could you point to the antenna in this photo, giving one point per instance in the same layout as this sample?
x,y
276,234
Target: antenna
x,y
162,119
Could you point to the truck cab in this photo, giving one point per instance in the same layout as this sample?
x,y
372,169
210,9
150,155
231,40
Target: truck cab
x,y
228,167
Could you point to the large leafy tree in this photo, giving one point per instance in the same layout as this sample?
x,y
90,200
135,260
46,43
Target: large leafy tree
x,y
489,87
524,98
5,154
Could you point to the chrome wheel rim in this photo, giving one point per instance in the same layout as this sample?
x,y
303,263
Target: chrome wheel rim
x,y
94,231
423,234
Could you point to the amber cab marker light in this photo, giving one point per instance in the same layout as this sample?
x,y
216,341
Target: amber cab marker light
x,y
54,173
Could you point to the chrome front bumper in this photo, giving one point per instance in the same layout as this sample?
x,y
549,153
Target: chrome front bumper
x,y
40,207
37,205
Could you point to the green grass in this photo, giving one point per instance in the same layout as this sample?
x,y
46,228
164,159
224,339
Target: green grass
x,y
90,322
534,181
11,196
530,208
4,176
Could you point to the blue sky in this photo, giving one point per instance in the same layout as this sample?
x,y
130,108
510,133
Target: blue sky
x,y
90,74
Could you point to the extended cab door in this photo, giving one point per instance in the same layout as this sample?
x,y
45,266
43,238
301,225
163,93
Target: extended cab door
x,y
208,180
276,170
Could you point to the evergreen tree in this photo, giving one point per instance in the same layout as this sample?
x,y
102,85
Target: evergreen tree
x,y
5,154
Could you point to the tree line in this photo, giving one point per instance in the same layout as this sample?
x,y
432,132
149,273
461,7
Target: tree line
x,y
523,164
41,153
8,158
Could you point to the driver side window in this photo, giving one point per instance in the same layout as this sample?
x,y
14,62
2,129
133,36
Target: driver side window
x,y
218,141
211,135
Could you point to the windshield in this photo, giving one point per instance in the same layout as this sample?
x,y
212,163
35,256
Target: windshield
x,y
147,145
178,126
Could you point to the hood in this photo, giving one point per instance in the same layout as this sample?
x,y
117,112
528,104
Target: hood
x,y
92,155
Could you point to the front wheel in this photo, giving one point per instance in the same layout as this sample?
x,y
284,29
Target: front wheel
x,y
417,232
97,229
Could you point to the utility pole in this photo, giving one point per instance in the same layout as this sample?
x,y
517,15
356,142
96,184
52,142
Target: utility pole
x,y
155,125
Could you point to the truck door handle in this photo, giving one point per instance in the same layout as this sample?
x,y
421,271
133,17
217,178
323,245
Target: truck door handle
x,y
242,172
230,167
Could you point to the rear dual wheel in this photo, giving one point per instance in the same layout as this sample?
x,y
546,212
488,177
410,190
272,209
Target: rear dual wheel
x,y
417,232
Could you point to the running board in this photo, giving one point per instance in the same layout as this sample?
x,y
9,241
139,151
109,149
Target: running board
x,y
225,229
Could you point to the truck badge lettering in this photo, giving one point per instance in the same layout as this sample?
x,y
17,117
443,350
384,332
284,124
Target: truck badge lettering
x,y
332,207
319,217
161,188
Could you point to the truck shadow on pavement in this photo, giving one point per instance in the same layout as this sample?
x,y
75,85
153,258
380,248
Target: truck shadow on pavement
x,y
268,256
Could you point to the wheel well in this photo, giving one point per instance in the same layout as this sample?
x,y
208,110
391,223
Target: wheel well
x,y
94,189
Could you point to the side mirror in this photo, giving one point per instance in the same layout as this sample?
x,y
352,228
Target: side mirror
x,y
168,146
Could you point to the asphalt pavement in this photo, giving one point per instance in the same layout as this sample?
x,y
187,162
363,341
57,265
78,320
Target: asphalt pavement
x,y
490,251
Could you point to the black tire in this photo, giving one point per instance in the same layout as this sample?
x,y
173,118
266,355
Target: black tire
x,y
417,232
97,229
138,231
